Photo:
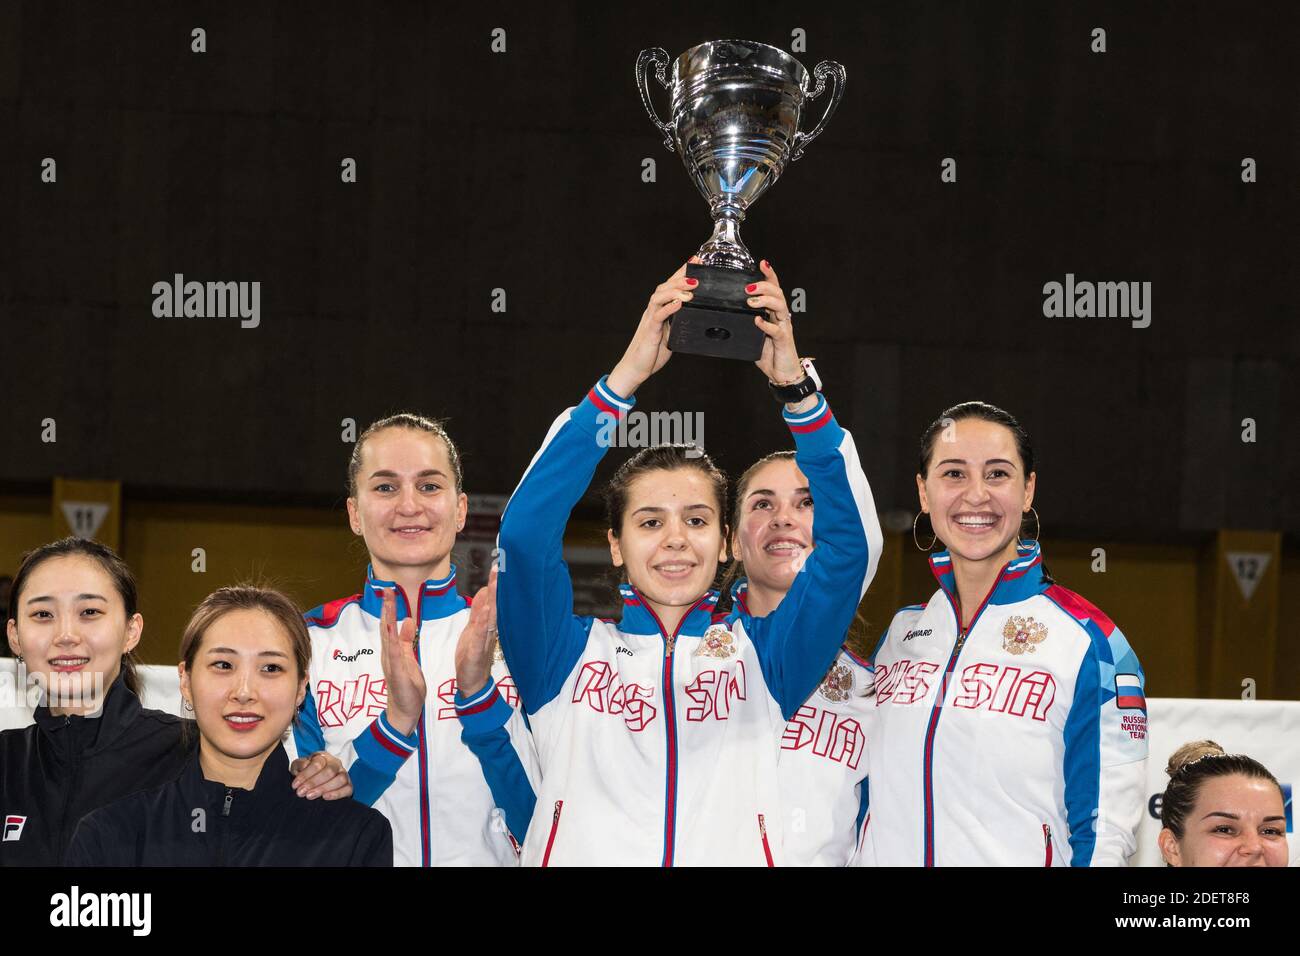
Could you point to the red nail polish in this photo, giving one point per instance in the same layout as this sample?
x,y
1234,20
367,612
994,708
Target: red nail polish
x,y
690,281
751,287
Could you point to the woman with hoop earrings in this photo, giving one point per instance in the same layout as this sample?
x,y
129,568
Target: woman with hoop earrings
x,y
1011,721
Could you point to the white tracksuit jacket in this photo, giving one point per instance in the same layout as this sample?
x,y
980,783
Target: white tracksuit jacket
x,y
655,748
821,767
428,784
1021,743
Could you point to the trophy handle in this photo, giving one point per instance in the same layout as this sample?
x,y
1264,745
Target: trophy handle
x,y
824,69
658,57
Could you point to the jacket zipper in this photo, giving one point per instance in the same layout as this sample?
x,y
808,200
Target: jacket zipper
x,y
670,725
426,852
225,827
1047,844
555,825
927,756
670,737
74,786
762,832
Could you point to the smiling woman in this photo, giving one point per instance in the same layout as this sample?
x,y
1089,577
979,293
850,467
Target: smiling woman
x,y
653,490
78,624
1221,809
243,674
1023,702
821,768
658,732
382,662
74,626
74,623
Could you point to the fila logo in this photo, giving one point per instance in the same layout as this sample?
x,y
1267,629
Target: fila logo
x,y
911,634
340,656
13,827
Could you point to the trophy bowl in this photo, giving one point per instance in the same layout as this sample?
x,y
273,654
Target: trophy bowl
x,y
735,108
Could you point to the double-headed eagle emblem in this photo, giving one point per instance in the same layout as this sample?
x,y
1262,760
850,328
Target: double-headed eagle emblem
x,y
1021,634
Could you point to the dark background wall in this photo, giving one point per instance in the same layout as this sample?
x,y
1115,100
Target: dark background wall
x,y
522,171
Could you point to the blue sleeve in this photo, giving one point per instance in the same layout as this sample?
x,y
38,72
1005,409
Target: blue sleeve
x,y
483,720
1082,765
308,738
797,642
381,750
1105,740
540,637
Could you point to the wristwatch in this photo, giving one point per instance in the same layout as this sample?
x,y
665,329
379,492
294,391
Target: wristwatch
x,y
791,393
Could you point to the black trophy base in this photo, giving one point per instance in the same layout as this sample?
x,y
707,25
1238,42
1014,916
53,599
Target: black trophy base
x,y
717,321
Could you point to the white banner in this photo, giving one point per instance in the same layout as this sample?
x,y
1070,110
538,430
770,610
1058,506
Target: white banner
x,y
1268,730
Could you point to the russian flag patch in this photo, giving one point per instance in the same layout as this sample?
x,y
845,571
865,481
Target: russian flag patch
x,y
1128,692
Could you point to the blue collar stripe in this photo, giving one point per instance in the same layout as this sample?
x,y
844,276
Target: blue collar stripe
x,y
438,597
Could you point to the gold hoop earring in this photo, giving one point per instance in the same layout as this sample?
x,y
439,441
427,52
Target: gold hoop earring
x,y
1038,525
933,537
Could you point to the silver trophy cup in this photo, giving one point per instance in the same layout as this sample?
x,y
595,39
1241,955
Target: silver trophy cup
x,y
735,112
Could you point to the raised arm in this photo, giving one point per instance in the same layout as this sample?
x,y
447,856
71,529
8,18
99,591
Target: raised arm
x,y
540,637
798,641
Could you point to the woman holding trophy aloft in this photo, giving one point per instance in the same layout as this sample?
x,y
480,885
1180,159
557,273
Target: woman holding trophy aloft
x,y
683,710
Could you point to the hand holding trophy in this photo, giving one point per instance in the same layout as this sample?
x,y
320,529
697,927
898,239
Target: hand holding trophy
x,y
735,114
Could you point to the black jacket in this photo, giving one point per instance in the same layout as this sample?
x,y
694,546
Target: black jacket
x,y
55,771
193,821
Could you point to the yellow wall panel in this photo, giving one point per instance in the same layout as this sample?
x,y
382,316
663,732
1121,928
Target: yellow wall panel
x,y
310,554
